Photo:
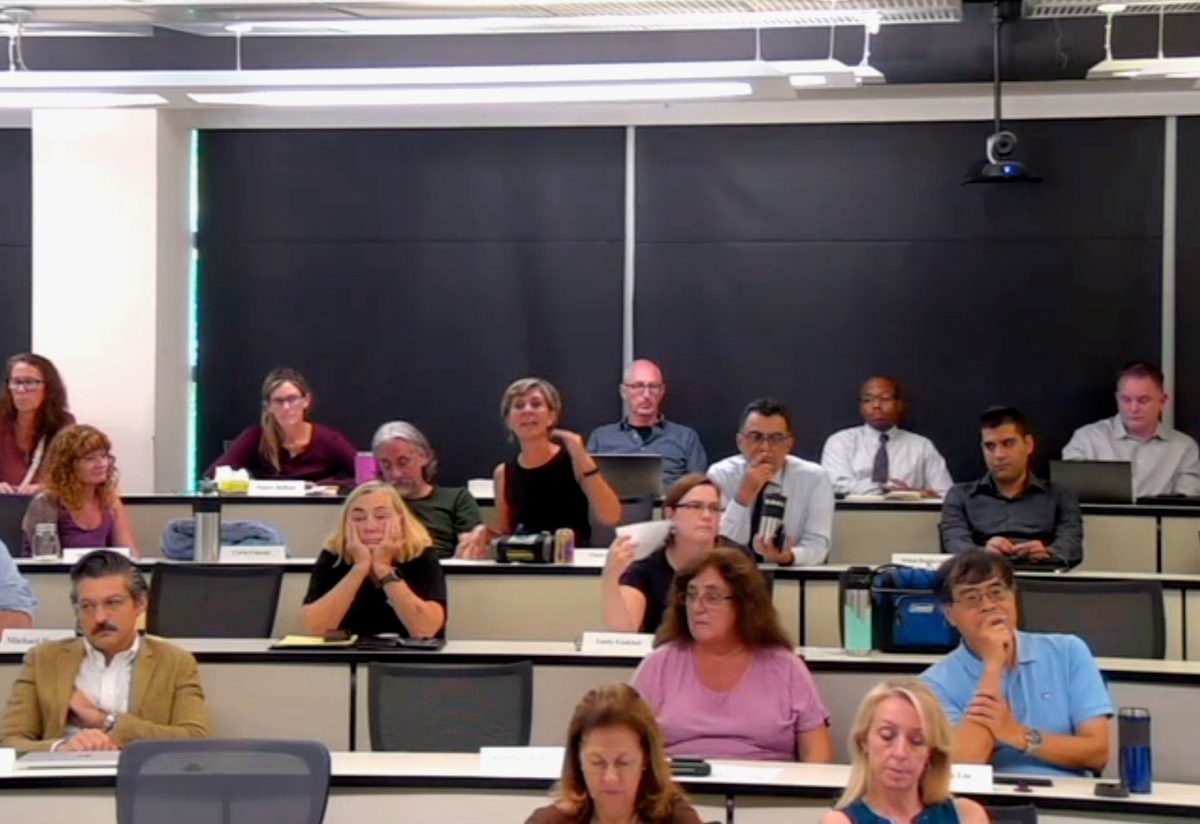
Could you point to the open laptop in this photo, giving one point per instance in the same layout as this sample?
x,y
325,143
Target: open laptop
x,y
632,476
1095,482
84,759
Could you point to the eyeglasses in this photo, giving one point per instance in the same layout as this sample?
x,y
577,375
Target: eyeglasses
x,y
774,439
973,599
97,458
290,400
700,506
112,604
709,598
652,388
25,384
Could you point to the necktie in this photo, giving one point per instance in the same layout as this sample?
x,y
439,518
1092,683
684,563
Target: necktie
x,y
879,470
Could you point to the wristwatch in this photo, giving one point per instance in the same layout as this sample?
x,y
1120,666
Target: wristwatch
x,y
390,578
110,721
1033,741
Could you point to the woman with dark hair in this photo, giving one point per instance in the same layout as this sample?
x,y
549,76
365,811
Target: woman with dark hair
x,y
636,592
80,496
33,408
900,751
551,483
286,445
614,768
725,680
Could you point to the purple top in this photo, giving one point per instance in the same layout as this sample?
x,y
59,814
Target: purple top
x,y
328,458
71,535
760,718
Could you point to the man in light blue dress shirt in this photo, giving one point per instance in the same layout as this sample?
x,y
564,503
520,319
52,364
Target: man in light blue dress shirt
x,y
17,602
1165,460
644,430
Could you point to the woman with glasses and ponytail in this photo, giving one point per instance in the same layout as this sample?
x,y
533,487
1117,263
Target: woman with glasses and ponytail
x,y
33,408
286,444
725,680
636,592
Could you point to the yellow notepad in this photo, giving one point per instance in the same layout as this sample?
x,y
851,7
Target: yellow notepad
x,y
291,641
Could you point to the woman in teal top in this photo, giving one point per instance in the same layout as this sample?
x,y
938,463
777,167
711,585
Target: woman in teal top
x,y
900,767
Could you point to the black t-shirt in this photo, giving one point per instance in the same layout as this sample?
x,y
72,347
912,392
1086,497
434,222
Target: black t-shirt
x,y
547,498
652,576
370,613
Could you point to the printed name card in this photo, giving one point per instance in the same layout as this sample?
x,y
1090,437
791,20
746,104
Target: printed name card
x,y
270,554
971,778
521,762
920,560
8,760
617,643
282,489
20,640
589,557
70,556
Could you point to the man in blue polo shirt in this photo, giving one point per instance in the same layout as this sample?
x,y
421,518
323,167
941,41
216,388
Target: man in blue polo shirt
x,y
1026,702
644,430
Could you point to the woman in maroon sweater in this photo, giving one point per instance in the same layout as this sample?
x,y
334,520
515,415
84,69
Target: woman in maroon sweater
x,y
33,408
286,445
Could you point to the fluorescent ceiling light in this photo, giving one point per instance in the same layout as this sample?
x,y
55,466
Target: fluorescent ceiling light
x,y
321,98
1146,68
1111,8
76,100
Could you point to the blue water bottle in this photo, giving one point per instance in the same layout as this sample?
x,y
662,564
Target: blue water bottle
x,y
1133,729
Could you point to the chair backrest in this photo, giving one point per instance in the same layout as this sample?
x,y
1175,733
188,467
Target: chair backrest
x,y
215,781
438,708
213,600
12,512
1117,619
1015,814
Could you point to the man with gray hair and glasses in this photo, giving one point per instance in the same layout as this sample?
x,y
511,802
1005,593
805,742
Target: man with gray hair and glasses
x,y
408,462
644,430
111,686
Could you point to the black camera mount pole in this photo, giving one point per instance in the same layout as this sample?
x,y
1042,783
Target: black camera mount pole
x,y
1002,12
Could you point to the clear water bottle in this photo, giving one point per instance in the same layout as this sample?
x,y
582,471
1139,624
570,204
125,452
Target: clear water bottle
x,y
856,610
45,543
1136,763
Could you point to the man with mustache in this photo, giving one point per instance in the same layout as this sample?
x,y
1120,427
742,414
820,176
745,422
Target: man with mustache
x,y
1026,702
111,686
1010,511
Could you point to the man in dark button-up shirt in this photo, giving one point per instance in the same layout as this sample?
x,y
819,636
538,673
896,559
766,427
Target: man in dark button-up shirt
x,y
1009,511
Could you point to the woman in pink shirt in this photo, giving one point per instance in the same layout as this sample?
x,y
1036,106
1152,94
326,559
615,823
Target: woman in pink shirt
x,y
725,681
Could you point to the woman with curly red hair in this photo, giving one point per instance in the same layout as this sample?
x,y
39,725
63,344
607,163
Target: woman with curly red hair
x,y
80,496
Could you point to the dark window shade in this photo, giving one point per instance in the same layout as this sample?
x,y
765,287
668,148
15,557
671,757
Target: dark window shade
x,y
16,219
805,258
411,274
1187,279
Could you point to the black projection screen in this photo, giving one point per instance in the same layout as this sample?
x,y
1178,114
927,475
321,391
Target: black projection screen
x,y
16,228
1187,276
795,260
411,274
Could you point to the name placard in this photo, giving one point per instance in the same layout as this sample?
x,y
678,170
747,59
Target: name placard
x,y
8,760
283,489
21,640
72,555
971,778
589,557
617,643
521,762
270,554
920,560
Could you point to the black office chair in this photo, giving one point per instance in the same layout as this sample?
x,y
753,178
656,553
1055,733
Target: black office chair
x,y
214,781
12,512
439,708
1117,619
1016,814
213,600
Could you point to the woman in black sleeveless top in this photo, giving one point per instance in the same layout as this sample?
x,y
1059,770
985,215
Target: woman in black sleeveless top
x,y
550,483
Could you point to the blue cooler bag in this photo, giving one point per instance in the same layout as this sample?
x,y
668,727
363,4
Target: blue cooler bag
x,y
906,613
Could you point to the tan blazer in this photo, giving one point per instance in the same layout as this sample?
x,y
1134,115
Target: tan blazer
x,y
166,700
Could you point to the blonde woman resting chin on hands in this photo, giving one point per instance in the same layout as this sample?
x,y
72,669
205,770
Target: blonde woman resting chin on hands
x,y
377,572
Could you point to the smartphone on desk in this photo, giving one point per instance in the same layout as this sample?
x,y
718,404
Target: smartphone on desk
x,y
687,766
1023,780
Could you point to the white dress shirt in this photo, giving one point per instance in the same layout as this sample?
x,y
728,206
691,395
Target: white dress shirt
x,y
1167,463
807,517
849,457
106,684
